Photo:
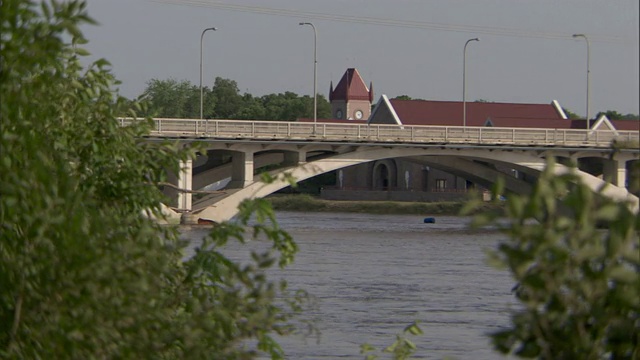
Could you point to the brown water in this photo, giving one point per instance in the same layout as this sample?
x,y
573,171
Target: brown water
x,y
372,275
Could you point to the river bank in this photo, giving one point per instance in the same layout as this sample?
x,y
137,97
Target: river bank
x,y
307,203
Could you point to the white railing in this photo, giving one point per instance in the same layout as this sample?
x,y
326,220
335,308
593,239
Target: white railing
x,y
280,130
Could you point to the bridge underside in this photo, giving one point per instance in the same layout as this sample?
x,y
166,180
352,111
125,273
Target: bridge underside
x,y
230,173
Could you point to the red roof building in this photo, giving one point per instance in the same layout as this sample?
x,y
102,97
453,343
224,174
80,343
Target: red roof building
x,y
626,125
450,113
351,99
513,115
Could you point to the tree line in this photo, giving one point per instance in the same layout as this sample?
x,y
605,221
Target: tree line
x,y
181,99
610,114
171,98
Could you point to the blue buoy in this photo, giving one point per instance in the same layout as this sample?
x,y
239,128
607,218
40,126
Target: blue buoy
x,y
429,220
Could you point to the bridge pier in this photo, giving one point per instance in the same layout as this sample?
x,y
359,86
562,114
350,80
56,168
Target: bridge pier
x,y
241,169
294,158
615,172
185,181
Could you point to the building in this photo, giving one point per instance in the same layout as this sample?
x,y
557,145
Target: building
x,y
429,179
351,99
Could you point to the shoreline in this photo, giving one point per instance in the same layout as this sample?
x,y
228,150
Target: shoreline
x,y
308,203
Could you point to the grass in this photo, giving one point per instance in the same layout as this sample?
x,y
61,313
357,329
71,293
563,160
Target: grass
x,y
302,202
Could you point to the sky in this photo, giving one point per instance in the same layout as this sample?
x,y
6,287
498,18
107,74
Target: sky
x,y
526,52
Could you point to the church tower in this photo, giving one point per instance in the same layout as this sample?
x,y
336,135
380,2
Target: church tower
x,y
351,99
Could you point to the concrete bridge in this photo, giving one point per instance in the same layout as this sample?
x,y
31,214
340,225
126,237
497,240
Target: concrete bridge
x,y
238,151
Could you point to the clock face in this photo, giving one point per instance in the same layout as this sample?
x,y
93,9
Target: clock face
x,y
359,114
339,114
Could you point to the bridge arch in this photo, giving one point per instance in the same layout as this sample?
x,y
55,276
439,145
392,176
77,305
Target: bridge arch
x,y
226,206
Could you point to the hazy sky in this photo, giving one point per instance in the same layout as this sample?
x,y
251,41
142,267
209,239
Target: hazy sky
x,y
526,53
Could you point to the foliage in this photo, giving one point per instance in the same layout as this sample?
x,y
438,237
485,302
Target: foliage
x,y
305,202
228,100
174,99
611,115
404,97
575,257
170,98
614,115
570,114
84,270
401,349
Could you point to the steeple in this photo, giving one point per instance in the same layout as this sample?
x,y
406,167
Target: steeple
x,y
350,87
331,91
351,99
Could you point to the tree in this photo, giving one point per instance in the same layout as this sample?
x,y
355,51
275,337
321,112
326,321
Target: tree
x,y
85,270
570,114
324,108
228,98
251,108
575,258
403,97
172,99
614,115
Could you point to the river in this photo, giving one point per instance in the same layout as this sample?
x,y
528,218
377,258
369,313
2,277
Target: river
x,y
372,275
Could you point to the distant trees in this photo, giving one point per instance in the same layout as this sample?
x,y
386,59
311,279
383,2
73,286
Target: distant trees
x,y
614,115
570,114
403,97
611,115
171,98
181,99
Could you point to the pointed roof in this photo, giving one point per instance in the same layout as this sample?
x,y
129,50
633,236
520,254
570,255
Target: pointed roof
x,y
624,125
350,87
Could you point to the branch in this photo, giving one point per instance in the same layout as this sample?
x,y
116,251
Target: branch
x,y
179,189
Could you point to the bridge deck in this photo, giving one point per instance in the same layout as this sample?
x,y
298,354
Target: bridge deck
x,y
279,130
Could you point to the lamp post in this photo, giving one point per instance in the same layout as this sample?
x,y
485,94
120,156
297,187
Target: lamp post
x,y
201,37
315,73
464,82
588,76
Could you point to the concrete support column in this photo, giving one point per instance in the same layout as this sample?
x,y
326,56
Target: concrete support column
x,y
615,172
633,177
185,182
292,158
170,191
241,169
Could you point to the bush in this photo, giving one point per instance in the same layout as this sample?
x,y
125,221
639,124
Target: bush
x,y
575,258
84,270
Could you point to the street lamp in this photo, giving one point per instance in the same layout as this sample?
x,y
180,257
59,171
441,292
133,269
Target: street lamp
x,y
464,82
588,76
202,36
315,73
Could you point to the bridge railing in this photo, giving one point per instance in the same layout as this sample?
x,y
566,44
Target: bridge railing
x,y
280,130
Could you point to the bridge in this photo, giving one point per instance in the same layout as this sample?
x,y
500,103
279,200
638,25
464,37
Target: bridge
x,y
236,151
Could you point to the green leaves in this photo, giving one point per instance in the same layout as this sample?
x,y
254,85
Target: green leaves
x,y
180,99
401,349
85,271
570,252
